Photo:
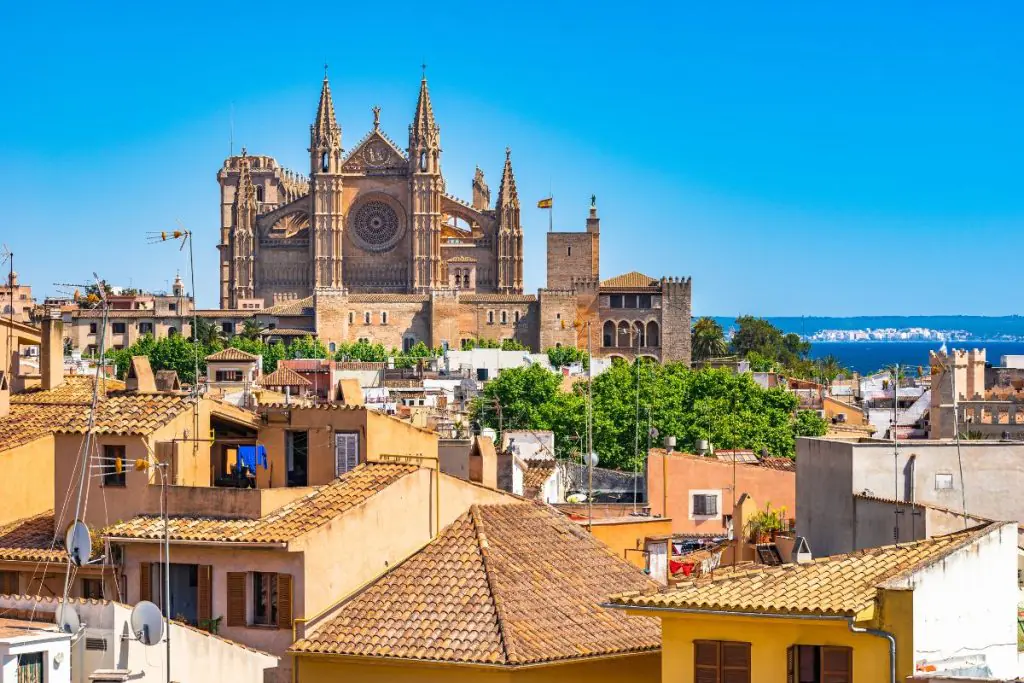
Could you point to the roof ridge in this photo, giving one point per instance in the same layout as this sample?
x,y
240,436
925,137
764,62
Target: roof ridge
x,y
499,611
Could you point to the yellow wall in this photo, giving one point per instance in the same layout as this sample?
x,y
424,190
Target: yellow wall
x,y
630,534
769,639
31,464
642,668
378,434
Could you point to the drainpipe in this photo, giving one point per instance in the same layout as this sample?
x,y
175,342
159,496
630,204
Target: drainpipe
x,y
880,634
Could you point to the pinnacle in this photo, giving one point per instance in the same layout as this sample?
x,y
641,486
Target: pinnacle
x,y
507,192
325,120
423,121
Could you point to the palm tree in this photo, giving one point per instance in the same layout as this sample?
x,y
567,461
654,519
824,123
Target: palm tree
x,y
828,368
252,330
209,334
708,339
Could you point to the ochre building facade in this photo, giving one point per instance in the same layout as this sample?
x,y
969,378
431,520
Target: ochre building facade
x,y
370,245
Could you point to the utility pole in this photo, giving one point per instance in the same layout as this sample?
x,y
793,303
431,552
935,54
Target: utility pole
x,y
590,432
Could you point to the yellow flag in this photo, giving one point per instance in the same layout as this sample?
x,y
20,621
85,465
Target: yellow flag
x,y
545,203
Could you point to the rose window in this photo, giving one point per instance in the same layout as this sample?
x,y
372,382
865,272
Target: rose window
x,y
376,226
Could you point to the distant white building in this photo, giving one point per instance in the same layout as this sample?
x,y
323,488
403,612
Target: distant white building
x,y
33,652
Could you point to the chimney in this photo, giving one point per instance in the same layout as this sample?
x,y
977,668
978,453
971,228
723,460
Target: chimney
x,y
5,396
51,351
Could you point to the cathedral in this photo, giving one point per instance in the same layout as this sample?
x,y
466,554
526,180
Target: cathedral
x,y
370,245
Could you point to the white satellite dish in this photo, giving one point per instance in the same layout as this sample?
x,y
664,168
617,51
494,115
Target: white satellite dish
x,y
78,543
147,623
67,618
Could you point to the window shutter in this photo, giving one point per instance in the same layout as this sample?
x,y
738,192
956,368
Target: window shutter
x,y
735,662
836,665
710,505
791,664
346,452
145,581
284,601
236,598
205,590
706,661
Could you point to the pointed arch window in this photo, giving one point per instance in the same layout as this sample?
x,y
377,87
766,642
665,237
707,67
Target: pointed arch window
x,y
323,162
504,317
259,193
490,317
423,160
515,317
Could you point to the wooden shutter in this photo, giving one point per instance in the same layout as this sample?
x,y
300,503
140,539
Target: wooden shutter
x,y
205,609
706,661
791,664
236,598
9,583
145,581
346,452
735,662
836,665
284,601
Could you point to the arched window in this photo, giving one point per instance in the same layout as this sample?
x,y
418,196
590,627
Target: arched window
x,y
366,318
323,161
504,317
465,280
423,161
408,343
609,334
259,193
490,317
333,347
568,251
172,331
623,340
383,317
653,336
515,317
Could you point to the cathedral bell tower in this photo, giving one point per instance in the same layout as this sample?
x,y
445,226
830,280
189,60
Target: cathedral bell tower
x,y
243,254
427,187
510,234
325,194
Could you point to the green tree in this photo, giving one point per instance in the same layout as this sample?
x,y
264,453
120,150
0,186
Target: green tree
x,y
252,330
809,423
563,356
307,347
209,334
708,339
408,359
756,335
363,352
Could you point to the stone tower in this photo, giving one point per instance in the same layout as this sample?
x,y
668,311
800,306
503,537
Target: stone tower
x,y
427,189
243,257
510,234
325,185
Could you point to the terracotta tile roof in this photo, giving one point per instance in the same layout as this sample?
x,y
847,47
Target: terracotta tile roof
x,y
840,585
76,390
632,279
31,540
117,414
538,472
294,307
289,332
16,628
285,377
231,354
280,526
508,585
744,458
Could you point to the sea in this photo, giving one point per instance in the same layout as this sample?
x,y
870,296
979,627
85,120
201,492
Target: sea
x,y
869,356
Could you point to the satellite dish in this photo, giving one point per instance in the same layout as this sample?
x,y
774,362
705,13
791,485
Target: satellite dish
x,y
78,543
67,618
147,623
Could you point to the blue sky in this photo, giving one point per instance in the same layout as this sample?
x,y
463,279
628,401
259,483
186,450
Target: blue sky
x,y
793,158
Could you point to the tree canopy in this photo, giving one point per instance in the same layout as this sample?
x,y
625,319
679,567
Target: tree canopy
x,y
729,409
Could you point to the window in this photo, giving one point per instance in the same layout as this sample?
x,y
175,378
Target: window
x,y
819,664
504,317
629,301
172,307
609,334
190,589
490,317
615,301
297,457
113,466
383,317
515,316
705,504
228,328
9,584
264,598
351,318
558,316
332,347
92,589
272,326
172,331
346,452
30,668
145,328
92,328
259,193
568,251
363,340
323,161
721,661
645,301
409,342
423,161
228,376
943,481
366,318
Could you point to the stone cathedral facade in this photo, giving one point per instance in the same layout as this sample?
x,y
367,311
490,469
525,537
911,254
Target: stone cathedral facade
x,y
371,245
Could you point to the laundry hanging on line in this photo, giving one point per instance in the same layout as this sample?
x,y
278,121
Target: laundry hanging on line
x,y
252,457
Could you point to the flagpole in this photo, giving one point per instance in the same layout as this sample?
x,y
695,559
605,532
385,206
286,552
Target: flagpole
x,y
551,214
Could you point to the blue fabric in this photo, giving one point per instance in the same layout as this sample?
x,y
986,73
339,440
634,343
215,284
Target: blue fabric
x,y
253,457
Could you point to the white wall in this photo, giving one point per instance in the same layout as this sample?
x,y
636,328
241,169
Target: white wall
x,y
965,607
56,649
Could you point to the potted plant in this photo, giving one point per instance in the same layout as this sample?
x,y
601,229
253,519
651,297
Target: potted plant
x,y
763,525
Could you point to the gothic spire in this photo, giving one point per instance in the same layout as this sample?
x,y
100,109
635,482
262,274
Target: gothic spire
x,y
325,135
245,196
507,193
325,120
423,122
